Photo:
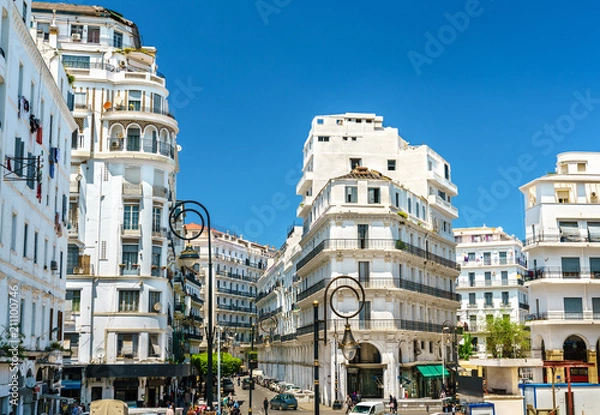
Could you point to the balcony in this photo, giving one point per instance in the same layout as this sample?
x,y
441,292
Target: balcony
x,y
146,146
131,230
112,72
444,184
562,315
437,201
132,190
270,313
495,261
561,274
160,191
235,292
311,290
231,307
383,325
492,283
581,236
129,269
305,183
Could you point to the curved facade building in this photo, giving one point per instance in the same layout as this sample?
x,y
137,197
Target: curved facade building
x,y
119,322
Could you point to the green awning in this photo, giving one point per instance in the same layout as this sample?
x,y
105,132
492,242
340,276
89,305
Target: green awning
x,y
433,371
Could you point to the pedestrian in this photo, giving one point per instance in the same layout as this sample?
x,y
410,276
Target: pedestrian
x,y
392,404
170,410
395,405
266,406
427,408
348,403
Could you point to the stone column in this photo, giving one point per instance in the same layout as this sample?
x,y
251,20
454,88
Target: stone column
x,y
592,371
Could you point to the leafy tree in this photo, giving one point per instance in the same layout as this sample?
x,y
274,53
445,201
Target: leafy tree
x,y
465,349
229,364
506,338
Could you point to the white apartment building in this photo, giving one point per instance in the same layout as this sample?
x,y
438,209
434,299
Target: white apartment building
x,y
491,282
237,265
377,210
124,162
563,245
35,131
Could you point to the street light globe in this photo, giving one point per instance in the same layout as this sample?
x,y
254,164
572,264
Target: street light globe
x,y
267,343
188,257
348,345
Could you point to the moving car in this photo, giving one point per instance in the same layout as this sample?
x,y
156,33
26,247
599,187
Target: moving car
x,y
369,408
247,383
284,401
227,385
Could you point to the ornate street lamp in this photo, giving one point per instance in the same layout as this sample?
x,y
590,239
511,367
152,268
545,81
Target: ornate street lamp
x,y
191,256
348,345
268,325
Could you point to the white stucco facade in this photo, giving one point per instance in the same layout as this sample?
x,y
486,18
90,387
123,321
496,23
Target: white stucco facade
x,y
491,282
563,246
35,130
124,163
378,211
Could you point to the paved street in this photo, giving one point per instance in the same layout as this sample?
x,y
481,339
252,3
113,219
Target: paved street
x,y
258,395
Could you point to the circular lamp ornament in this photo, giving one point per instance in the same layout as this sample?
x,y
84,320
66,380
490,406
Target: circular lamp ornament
x,y
348,344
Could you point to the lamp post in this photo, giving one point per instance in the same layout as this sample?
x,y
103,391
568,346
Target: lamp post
x,y
449,328
179,209
348,345
268,325
219,370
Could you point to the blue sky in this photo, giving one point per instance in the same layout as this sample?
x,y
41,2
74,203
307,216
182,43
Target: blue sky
x,y
496,88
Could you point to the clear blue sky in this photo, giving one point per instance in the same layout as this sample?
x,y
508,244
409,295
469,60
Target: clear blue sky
x,y
505,91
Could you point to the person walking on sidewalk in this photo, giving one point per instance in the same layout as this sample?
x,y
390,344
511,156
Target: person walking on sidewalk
x,y
266,406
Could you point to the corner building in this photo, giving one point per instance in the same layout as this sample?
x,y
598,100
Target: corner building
x,y
378,210
36,127
562,218
119,323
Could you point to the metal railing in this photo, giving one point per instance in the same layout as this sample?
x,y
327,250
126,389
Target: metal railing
x,y
492,283
563,238
560,273
137,108
379,244
563,315
311,290
235,292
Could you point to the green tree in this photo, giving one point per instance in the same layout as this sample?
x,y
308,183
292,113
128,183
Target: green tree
x,y
506,338
465,349
229,364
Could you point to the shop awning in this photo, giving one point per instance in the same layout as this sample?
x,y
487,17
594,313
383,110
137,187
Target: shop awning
x,y
433,371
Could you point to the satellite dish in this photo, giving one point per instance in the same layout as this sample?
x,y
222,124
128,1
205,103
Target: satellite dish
x,y
157,306
100,352
178,147
30,382
107,105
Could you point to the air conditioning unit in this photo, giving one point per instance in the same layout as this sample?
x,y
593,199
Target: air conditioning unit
x,y
76,37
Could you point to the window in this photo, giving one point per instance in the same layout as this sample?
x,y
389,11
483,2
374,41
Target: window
x,y
157,103
397,204
153,345
505,301
79,100
502,258
322,138
25,241
488,278
35,247
593,231
130,259
472,301
93,34
504,275
156,218
135,100
374,195
562,196
18,155
363,236
74,296
573,308
487,258
569,231
471,257
74,61
570,267
13,234
488,299
117,39
129,301
581,167
76,31
133,139
156,261
596,307
127,345
43,31
409,205
471,279
363,271
446,172
154,305
131,216
320,121
595,267
391,164
354,163
351,194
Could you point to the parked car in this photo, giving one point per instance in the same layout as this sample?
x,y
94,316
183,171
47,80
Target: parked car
x,y
284,401
227,385
293,389
247,384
